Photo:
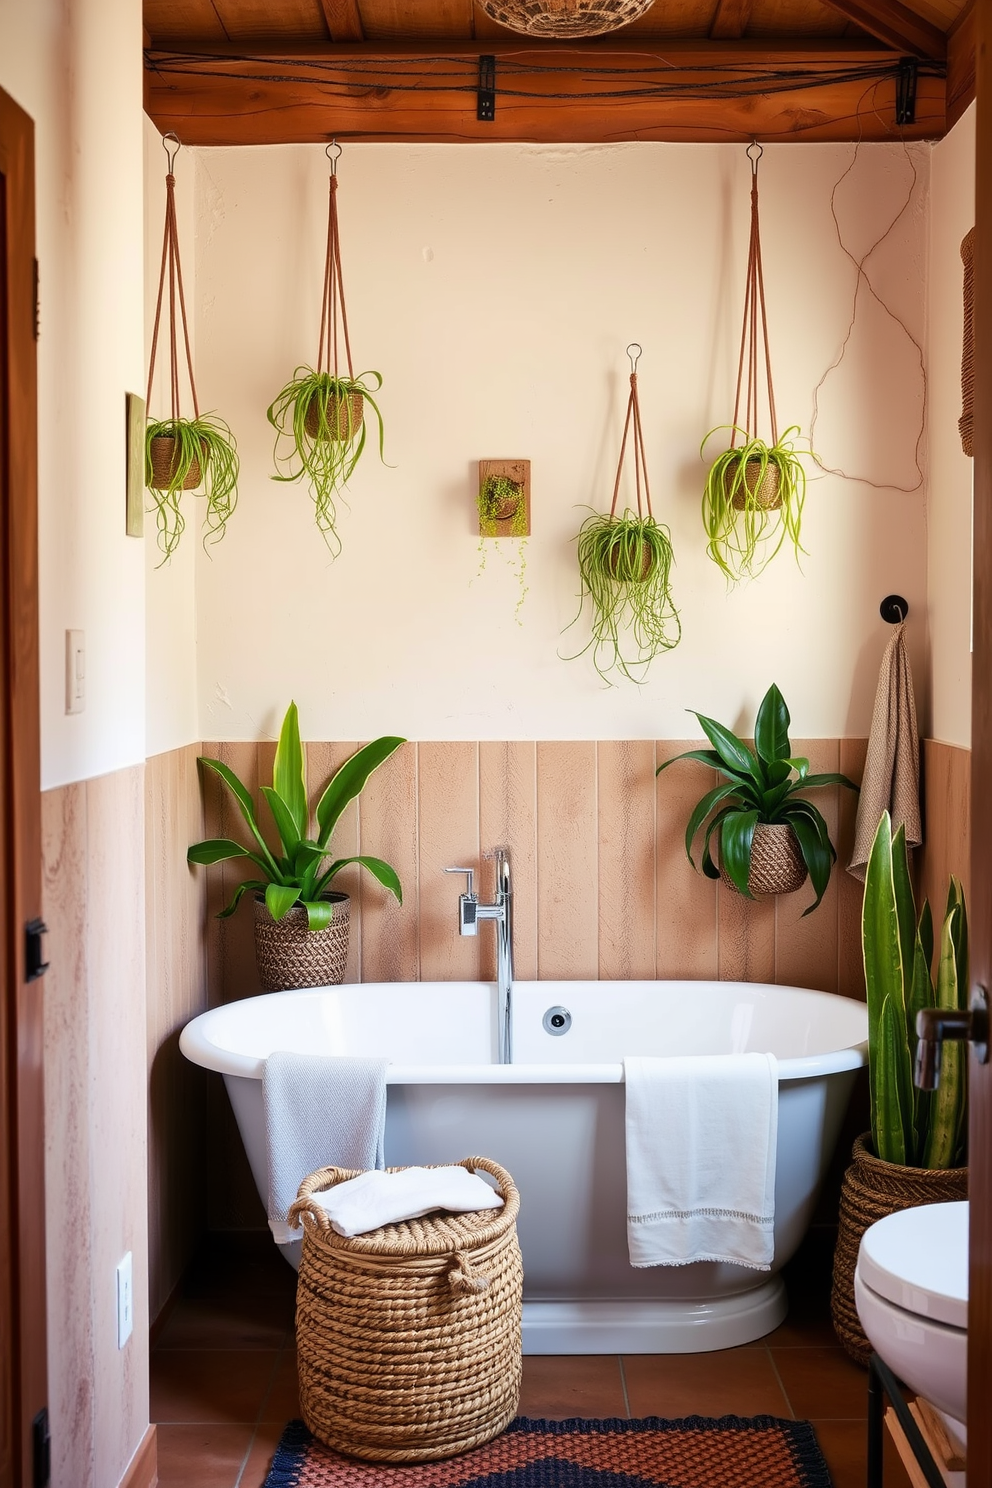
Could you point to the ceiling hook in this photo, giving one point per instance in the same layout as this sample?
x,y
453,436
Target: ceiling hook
x,y
171,145
335,157
754,158
634,352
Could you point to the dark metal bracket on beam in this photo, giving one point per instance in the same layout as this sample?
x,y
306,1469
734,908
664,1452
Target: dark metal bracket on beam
x,y
486,105
909,69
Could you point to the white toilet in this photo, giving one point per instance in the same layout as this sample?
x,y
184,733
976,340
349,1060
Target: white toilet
x,y
911,1292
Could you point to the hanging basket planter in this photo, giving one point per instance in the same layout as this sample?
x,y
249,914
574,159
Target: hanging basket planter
x,y
625,565
755,491
320,414
182,454
777,865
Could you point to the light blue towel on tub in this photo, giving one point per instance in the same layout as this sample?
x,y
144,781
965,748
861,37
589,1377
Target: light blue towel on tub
x,y
701,1143
320,1111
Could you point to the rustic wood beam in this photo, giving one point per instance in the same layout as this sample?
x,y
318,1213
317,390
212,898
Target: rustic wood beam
x,y
961,43
344,23
809,90
896,25
730,20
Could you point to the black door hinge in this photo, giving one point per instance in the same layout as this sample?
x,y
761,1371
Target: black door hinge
x,y
486,98
37,301
41,1450
34,966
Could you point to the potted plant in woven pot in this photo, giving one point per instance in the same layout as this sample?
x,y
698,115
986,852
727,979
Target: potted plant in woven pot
x,y
770,837
914,1152
301,923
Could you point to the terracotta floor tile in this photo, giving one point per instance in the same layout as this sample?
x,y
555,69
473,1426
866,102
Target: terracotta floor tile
x,y
207,1456
580,1385
844,1445
260,1457
263,1321
822,1383
282,1403
220,1386
738,1382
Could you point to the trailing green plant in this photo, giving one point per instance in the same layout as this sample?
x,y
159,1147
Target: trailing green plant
x,y
746,524
495,494
320,435
762,784
916,1128
203,445
625,568
297,871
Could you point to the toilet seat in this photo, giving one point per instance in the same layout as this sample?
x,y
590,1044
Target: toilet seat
x,y
911,1292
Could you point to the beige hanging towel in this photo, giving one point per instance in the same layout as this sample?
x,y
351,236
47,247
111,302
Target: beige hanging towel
x,y
892,765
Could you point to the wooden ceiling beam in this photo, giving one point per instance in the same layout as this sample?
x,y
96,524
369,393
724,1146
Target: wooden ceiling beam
x,y
730,20
223,95
961,58
896,25
344,22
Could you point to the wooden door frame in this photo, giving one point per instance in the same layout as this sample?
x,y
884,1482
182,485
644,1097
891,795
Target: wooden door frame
x,y
23,1354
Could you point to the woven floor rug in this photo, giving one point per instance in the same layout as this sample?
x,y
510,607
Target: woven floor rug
x,y
759,1452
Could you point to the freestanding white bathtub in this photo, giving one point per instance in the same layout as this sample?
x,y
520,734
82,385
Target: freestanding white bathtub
x,y
555,1119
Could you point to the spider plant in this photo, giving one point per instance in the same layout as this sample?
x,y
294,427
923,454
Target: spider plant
x,y
763,785
752,502
625,565
320,417
197,451
296,872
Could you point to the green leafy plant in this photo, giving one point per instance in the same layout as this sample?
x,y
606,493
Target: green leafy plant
x,y
625,566
296,872
913,1127
320,435
761,785
753,501
203,452
497,493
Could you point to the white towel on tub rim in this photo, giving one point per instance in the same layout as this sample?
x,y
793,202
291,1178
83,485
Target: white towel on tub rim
x,y
701,1136
321,1111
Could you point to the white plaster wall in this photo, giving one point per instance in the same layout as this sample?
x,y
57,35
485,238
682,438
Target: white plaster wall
x,y
949,507
170,613
496,289
75,66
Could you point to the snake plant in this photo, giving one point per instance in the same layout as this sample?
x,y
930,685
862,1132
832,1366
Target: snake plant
x,y
911,1127
296,873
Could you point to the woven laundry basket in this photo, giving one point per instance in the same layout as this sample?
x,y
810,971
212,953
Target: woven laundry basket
x,y
408,1338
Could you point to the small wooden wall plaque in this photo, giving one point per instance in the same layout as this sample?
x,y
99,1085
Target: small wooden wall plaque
x,y
514,470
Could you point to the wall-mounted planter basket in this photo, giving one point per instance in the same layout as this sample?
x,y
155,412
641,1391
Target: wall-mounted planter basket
x,y
777,865
504,498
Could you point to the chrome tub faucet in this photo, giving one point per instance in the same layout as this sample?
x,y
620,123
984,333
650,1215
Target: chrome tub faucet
x,y
470,912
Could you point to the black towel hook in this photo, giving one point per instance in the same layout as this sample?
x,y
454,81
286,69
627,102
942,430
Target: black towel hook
x,y
893,609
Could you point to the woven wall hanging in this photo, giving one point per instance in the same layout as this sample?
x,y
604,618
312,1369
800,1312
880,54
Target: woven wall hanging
x,y
966,422
625,563
183,453
755,490
319,416
564,18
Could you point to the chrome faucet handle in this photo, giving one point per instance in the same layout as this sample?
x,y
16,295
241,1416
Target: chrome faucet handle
x,y
467,904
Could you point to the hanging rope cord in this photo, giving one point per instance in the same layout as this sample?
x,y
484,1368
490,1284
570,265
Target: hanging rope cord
x,y
754,330
333,311
172,266
640,463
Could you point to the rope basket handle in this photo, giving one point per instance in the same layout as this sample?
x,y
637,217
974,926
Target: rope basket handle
x,y
306,1211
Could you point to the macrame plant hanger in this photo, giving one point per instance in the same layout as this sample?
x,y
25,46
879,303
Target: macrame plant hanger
x,y
754,332
333,310
640,460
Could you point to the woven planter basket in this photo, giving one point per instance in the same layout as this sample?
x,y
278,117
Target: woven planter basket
x,y
762,493
564,17
290,955
408,1338
165,458
341,424
777,865
871,1190
628,569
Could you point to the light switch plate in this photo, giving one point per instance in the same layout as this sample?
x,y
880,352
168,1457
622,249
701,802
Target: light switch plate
x,y
135,423
75,671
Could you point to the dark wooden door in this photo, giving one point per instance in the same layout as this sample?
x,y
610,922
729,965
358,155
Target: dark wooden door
x,y
23,1383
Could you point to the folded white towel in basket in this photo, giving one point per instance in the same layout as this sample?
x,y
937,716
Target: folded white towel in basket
x,y
701,1139
321,1110
373,1199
